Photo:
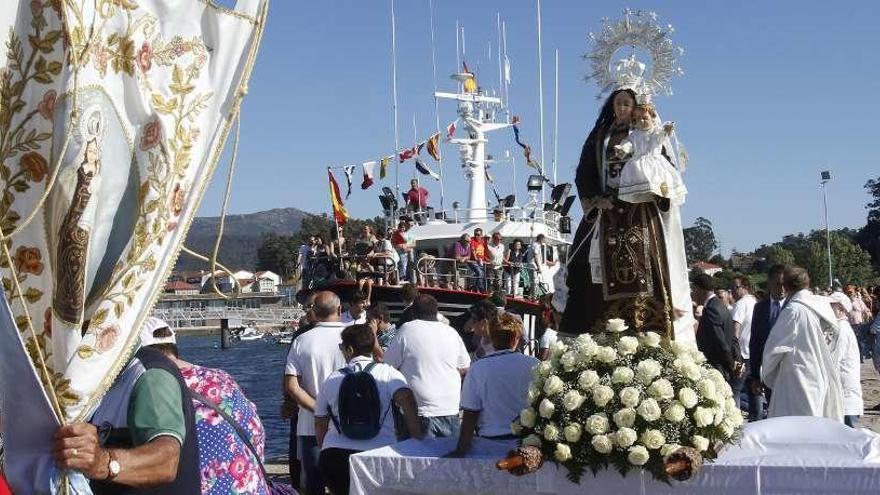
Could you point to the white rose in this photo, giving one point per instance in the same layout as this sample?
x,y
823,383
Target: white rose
x,y
551,432
649,410
653,439
718,412
546,408
722,387
544,368
688,397
736,419
584,339
675,413
661,389
562,453
516,428
533,394
527,417
703,417
553,385
597,424
588,379
680,349
669,448
727,428
692,371
558,347
606,354
706,388
698,356
572,400
638,455
647,370
532,440
625,417
629,396
602,444
625,437
568,360
602,394
649,339
622,375
700,443
616,325
586,350
627,345
572,432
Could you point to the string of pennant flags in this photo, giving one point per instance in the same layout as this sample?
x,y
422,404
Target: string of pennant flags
x,y
431,146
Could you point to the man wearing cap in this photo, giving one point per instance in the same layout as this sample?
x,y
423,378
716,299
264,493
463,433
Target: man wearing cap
x,y
845,352
141,438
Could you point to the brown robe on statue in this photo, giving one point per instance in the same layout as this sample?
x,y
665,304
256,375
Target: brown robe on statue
x,y
635,275
73,241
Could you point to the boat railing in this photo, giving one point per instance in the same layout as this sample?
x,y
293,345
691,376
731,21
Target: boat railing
x,y
517,279
525,213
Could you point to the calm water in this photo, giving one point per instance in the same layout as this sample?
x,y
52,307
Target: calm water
x,y
258,367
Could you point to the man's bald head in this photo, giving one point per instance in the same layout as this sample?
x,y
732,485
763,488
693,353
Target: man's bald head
x,y
327,306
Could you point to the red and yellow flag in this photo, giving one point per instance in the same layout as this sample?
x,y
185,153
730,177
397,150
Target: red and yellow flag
x,y
339,213
433,146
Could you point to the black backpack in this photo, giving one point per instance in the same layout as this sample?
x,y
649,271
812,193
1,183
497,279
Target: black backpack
x,y
360,409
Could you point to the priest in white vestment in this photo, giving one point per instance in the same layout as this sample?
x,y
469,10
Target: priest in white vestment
x,y
797,364
845,351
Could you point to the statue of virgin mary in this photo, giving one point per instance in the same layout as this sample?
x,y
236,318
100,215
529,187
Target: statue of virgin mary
x,y
627,259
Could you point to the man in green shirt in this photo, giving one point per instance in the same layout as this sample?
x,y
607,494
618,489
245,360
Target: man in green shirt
x,y
146,446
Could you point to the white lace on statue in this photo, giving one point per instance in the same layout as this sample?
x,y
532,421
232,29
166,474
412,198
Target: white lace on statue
x,y
647,172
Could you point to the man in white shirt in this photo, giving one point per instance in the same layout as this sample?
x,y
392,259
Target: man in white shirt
x,y
357,346
357,312
742,313
496,387
312,358
433,359
545,261
797,364
496,260
845,351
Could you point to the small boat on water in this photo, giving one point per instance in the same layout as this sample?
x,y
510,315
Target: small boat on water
x,y
249,333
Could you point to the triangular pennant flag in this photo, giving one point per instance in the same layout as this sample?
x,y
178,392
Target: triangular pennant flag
x,y
419,147
340,215
425,170
383,166
450,130
368,174
433,146
349,171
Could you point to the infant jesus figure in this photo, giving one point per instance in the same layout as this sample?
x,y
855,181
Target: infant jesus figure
x,y
648,173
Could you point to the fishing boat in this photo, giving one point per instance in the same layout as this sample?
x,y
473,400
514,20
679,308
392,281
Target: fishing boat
x,y
435,230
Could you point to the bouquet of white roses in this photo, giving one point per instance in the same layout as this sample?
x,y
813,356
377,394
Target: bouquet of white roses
x,y
626,400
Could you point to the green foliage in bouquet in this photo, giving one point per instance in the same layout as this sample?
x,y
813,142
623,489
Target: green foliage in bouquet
x,y
626,400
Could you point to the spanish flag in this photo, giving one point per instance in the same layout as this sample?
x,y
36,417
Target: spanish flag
x,y
339,213
433,146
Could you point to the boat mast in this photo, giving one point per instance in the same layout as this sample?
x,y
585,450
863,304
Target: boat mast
x,y
541,94
436,101
556,118
394,107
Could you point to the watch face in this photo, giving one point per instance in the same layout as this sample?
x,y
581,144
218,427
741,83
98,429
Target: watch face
x,y
114,467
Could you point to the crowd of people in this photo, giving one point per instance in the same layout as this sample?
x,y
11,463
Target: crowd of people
x,y
477,262
791,349
359,385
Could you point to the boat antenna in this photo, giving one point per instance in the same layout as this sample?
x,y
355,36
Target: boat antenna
x,y
500,75
394,106
506,70
541,92
556,118
436,101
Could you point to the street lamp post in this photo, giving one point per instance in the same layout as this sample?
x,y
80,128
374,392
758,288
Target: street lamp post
x,y
826,177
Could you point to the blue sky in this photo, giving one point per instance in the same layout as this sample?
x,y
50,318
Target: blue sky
x,y
773,93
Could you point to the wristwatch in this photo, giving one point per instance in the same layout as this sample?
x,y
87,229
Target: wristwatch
x,y
113,466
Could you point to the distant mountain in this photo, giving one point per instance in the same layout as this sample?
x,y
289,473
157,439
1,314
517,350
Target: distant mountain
x,y
242,237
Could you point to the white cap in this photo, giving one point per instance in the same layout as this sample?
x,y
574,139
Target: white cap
x,y
151,325
843,300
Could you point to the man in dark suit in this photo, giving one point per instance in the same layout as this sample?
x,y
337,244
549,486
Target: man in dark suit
x,y
716,337
766,312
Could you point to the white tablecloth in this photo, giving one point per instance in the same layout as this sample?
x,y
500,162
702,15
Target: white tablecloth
x,y
778,456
